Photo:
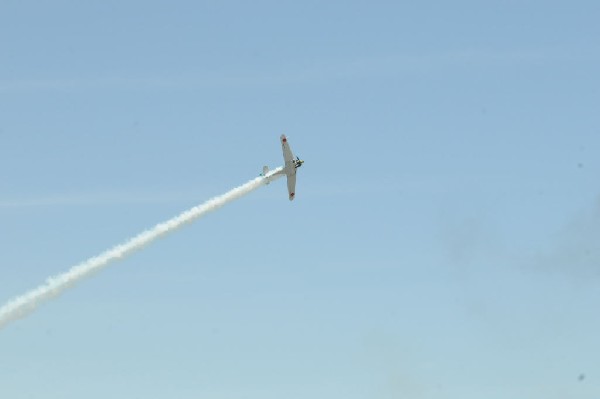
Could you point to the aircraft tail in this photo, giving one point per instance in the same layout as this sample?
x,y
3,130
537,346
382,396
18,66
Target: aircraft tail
x,y
264,172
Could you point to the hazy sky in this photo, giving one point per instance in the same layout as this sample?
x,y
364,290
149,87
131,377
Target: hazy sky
x,y
445,237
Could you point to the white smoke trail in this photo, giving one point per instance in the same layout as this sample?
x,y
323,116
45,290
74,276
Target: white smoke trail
x,y
28,302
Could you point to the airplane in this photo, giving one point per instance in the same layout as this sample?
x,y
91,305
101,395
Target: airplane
x,y
289,168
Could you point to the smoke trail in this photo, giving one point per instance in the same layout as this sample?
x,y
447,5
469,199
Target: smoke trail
x,y
54,286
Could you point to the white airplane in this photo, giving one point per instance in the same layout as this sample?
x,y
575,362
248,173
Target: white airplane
x,y
289,168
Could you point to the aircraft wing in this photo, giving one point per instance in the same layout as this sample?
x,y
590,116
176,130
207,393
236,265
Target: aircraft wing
x,y
291,183
289,168
288,157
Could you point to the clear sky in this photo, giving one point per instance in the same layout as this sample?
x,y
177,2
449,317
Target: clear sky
x,y
444,241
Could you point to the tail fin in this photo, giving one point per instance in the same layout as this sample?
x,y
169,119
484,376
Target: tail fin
x,y
265,171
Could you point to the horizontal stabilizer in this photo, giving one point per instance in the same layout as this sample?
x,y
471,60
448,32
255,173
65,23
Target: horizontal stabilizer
x,y
264,173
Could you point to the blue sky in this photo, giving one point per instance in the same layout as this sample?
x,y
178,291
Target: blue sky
x,y
444,238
